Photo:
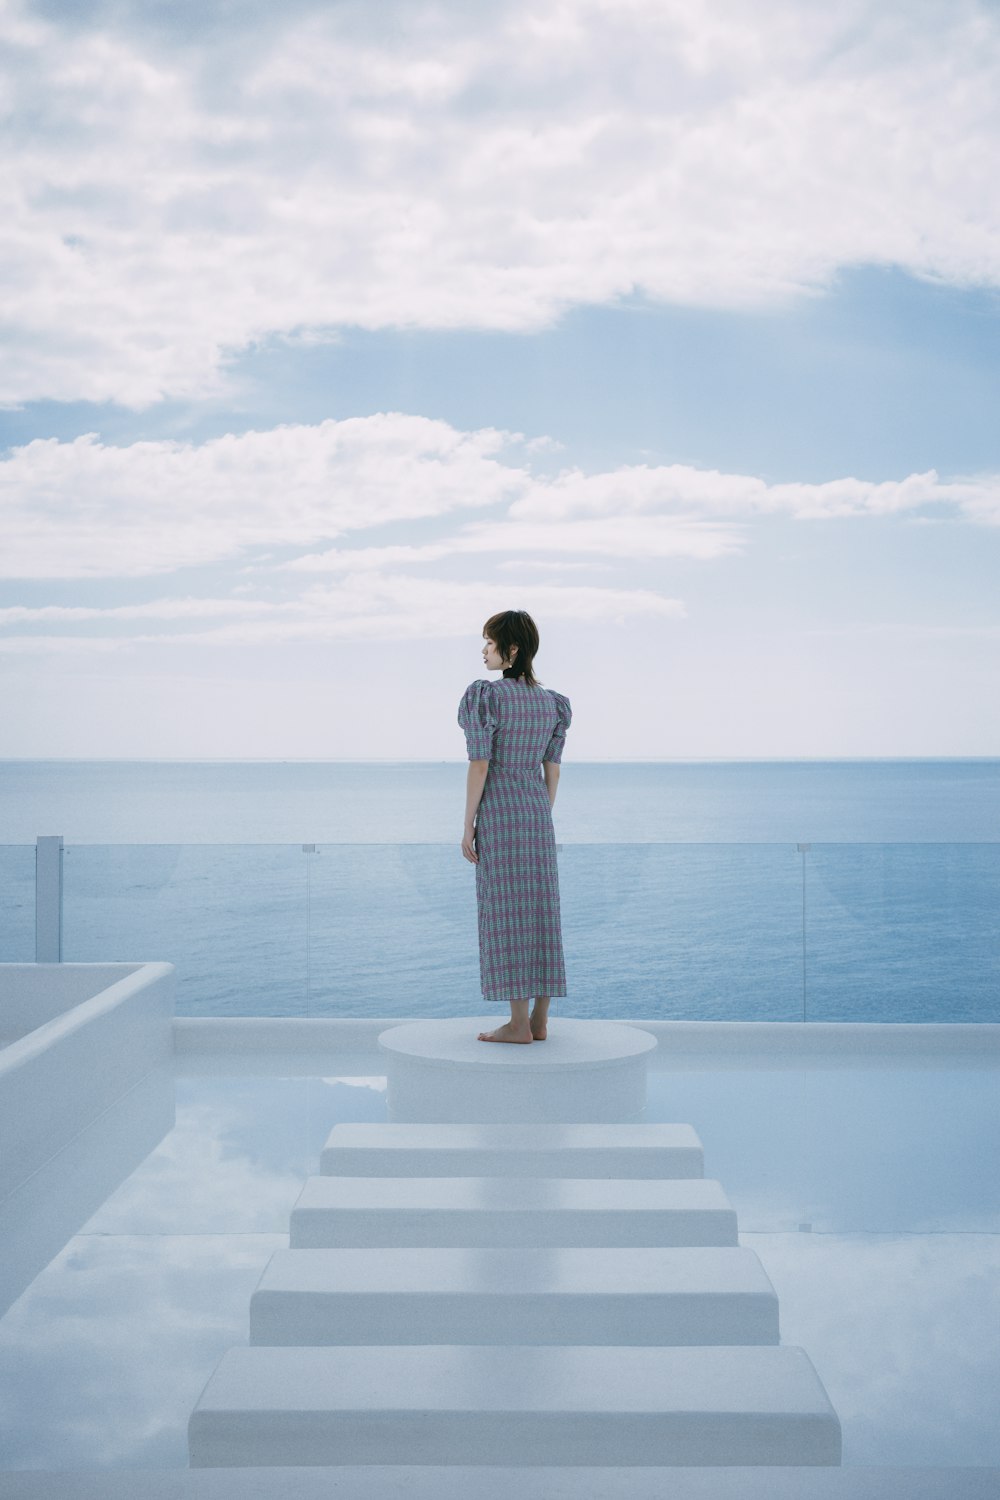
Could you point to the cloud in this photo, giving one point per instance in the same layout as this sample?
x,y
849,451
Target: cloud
x,y
182,193
610,536
88,509
365,606
260,509
85,509
153,609
639,489
908,1389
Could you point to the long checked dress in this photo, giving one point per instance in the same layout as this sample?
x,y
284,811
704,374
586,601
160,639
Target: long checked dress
x,y
516,727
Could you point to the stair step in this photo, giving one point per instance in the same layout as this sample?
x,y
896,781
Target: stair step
x,y
514,1405
489,1296
501,1482
464,1212
387,1150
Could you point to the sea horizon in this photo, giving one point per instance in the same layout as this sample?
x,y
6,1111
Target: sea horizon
x,y
430,760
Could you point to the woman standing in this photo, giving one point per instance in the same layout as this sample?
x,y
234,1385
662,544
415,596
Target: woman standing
x,y
514,732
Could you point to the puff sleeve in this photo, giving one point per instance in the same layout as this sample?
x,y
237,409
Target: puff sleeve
x,y
564,718
477,718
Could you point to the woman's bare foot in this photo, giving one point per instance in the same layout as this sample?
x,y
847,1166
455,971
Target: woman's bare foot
x,y
506,1033
539,1018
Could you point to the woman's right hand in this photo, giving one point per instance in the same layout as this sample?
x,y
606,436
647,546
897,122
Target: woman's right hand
x,y
469,845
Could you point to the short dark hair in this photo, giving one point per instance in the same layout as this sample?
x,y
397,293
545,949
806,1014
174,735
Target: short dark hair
x,y
515,627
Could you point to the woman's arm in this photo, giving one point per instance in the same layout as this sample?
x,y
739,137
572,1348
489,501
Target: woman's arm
x,y
551,769
474,783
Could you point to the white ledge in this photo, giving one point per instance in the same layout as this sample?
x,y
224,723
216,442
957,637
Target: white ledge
x,y
307,1044
459,1481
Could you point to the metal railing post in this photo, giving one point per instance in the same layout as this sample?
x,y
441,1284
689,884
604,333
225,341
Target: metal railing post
x,y
48,898
309,849
804,850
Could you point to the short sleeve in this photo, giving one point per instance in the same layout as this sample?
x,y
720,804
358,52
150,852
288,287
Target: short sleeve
x,y
476,716
564,718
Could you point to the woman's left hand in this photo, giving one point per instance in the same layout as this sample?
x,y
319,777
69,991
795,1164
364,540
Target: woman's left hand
x,y
469,845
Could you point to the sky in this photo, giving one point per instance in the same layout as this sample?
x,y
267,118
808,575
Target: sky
x,y
331,329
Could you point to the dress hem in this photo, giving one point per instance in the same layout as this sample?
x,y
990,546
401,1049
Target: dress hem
x,y
538,990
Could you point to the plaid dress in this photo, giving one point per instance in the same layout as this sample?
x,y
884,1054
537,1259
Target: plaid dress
x,y
515,728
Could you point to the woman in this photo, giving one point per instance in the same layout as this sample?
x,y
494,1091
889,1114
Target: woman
x,y
514,731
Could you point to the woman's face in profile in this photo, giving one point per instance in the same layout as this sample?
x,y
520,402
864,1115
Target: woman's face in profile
x,y
491,656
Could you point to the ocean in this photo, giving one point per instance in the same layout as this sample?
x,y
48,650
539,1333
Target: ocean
x,y
781,890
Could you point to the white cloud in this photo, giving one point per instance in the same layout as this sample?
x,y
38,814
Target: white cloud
x,y
609,536
85,509
368,606
471,166
639,489
549,565
908,1390
255,506
153,609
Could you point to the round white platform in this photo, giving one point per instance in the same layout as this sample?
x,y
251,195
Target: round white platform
x,y
585,1071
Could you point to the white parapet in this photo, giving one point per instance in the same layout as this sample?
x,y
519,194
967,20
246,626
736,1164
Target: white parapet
x,y
647,1295
616,1150
438,1071
78,1037
516,1405
341,1212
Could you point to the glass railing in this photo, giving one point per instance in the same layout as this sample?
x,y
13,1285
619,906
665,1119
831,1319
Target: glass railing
x,y
910,932
17,903
777,932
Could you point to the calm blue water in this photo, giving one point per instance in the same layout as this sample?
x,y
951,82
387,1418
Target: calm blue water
x,y
363,802
683,890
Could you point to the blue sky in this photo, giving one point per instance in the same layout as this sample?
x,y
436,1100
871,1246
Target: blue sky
x,y
329,333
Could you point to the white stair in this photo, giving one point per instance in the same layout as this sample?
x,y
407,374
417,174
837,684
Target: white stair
x,y
464,1212
531,1295
565,1296
512,1151
513,1405
501,1482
